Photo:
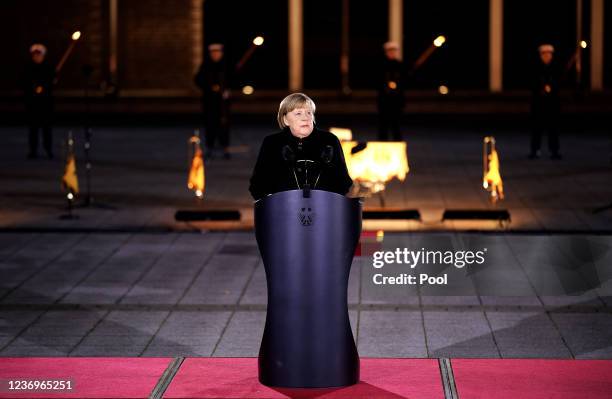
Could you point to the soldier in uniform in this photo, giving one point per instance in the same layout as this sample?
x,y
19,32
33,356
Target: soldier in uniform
x,y
390,93
38,81
214,81
545,104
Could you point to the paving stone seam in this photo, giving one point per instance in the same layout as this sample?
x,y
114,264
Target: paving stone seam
x,y
569,309
484,313
109,311
152,229
93,270
580,271
43,266
159,256
154,335
422,313
244,289
492,332
426,341
24,329
556,326
177,306
44,309
248,282
202,267
548,312
150,267
96,324
525,274
24,244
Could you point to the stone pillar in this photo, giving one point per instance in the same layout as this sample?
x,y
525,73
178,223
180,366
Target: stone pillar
x,y
396,24
496,45
597,45
296,45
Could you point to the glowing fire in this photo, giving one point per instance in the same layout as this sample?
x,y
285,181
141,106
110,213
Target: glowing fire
x,y
492,180
196,180
342,133
70,181
439,41
258,41
377,163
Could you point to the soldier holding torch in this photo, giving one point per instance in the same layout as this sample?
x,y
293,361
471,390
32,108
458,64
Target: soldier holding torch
x,y
38,80
38,90
214,78
214,81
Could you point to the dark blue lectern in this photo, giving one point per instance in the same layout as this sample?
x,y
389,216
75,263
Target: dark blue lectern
x,y
307,242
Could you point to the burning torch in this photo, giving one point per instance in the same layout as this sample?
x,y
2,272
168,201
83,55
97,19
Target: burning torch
x,y
75,38
258,41
437,43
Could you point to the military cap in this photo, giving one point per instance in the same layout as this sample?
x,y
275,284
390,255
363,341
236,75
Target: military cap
x,y
38,48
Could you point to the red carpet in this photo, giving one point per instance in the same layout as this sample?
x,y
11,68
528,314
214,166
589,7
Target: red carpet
x,y
237,378
93,377
97,377
533,378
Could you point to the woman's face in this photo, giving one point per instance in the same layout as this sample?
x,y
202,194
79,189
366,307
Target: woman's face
x,y
300,122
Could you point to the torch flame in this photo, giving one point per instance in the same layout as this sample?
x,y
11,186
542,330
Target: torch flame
x,y
258,41
196,180
76,35
70,181
439,41
492,180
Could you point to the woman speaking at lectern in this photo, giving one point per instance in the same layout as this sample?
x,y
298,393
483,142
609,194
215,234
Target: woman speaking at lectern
x,y
300,156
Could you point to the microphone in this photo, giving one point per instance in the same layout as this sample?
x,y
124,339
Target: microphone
x,y
307,163
289,157
288,154
327,155
359,147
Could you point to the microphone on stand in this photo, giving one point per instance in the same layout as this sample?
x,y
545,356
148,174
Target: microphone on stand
x,y
327,155
289,157
307,163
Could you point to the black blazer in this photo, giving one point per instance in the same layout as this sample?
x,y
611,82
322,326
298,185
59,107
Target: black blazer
x,y
274,170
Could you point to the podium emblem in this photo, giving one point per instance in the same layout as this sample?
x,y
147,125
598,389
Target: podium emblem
x,y
306,216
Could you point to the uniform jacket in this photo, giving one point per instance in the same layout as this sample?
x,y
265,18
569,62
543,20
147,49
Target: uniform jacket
x,y
37,84
391,79
213,78
545,89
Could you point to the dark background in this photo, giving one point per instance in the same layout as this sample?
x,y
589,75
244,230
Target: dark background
x,y
155,40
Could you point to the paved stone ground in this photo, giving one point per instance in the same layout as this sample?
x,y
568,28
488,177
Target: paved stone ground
x,y
142,172
131,281
204,294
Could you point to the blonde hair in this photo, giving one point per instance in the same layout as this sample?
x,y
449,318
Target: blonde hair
x,y
291,102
